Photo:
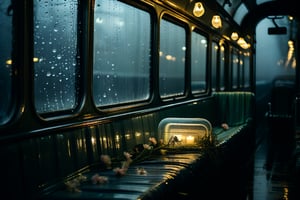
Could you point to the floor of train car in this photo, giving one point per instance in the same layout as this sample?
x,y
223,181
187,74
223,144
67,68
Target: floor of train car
x,y
279,180
257,180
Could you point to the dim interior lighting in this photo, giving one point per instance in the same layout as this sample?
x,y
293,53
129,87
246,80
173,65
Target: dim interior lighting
x,y
35,59
216,21
226,37
291,43
242,42
93,140
198,10
234,36
290,60
9,62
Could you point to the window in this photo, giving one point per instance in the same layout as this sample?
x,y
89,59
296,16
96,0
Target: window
x,y
5,59
241,70
55,55
222,68
198,63
122,53
214,63
172,59
247,69
234,67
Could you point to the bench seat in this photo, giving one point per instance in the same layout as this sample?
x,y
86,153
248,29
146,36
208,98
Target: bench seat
x,y
172,175
161,180
222,136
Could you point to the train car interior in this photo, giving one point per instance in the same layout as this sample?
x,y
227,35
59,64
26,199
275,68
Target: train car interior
x,y
149,99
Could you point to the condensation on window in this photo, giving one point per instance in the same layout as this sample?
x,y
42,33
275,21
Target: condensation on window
x,y
214,67
241,70
55,55
6,12
198,63
122,53
172,59
247,69
222,67
235,68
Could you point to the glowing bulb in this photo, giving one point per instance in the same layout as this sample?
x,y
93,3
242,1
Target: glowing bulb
x,y
216,21
234,36
198,9
9,62
35,59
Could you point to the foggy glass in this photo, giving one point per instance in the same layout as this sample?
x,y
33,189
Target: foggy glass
x,y
222,67
172,59
214,63
241,77
235,68
198,63
122,53
246,70
5,59
55,55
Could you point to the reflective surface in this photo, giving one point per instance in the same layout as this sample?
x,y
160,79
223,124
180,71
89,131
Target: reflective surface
x,y
279,178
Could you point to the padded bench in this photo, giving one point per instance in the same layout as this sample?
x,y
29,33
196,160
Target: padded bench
x,y
163,175
234,114
171,175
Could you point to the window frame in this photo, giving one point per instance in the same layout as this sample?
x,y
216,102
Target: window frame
x,y
207,76
181,23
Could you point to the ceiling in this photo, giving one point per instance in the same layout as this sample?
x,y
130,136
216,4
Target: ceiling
x,y
248,13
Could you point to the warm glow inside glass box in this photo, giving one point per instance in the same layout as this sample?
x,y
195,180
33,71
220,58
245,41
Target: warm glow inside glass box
x,y
183,131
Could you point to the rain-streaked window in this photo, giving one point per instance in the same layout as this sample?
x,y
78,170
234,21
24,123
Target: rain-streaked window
x,y
214,65
241,70
122,53
55,55
172,59
235,68
5,59
247,69
198,63
222,68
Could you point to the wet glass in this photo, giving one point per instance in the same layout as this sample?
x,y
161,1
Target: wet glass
x,y
122,53
172,57
6,61
198,63
235,67
247,69
222,67
55,55
214,63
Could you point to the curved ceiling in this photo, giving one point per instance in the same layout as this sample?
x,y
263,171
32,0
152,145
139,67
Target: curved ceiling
x,y
271,8
248,13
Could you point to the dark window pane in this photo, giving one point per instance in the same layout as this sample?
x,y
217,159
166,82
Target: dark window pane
x,y
172,59
55,51
5,59
247,69
235,68
222,68
122,52
198,71
214,63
